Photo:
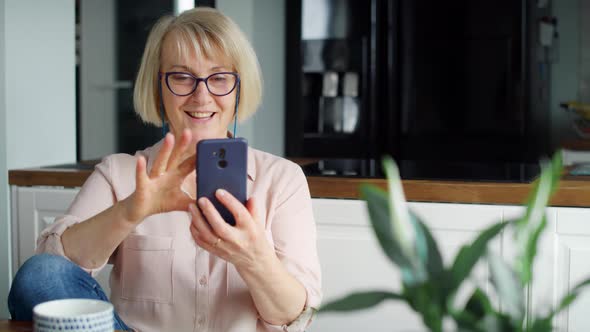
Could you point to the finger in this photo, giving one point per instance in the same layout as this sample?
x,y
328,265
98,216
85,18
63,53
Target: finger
x,y
187,166
161,161
237,209
217,250
141,177
218,225
194,231
199,222
179,149
201,242
197,236
254,209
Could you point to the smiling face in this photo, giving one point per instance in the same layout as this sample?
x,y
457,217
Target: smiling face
x,y
204,114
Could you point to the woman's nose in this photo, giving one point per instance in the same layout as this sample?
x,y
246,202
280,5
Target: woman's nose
x,y
201,90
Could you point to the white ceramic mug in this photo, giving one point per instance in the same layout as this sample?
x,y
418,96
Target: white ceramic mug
x,y
73,315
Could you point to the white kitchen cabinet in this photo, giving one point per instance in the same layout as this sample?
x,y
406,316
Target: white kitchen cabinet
x,y
565,265
345,243
33,209
352,260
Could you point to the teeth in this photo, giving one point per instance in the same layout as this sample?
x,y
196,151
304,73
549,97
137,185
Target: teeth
x,y
200,115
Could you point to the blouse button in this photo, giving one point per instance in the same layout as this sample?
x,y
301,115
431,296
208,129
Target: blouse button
x,y
203,281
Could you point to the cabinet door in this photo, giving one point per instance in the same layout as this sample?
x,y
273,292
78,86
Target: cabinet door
x,y
352,260
510,248
571,256
454,225
35,209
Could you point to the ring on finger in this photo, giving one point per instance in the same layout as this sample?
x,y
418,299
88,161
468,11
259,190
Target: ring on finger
x,y
217,242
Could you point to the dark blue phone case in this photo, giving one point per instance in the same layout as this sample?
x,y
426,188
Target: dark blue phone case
x,y
222,164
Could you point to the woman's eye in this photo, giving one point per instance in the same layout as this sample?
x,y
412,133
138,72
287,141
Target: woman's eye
x,y
181,79
219,78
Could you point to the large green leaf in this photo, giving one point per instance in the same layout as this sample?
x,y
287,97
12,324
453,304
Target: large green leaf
x,y
398,208
532,224
496,322
508,286
421,298
465,321
581,285
541,325
477,308
469,255
525,263
543,188
357,301
428,252
378,208
479,305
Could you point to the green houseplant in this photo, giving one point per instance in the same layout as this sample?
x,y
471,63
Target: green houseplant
x,y
429,287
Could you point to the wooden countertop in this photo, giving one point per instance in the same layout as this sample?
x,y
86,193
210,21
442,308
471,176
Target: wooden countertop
x,y
14,326
573,191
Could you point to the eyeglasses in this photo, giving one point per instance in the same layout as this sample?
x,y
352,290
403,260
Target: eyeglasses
x,y
184,84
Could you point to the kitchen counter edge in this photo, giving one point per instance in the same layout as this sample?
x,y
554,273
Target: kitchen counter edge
x,y
573,191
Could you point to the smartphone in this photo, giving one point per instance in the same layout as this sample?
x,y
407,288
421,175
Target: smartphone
x,y
222,164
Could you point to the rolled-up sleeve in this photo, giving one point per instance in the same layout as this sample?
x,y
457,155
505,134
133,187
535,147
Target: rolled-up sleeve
x,y
294,235
95,196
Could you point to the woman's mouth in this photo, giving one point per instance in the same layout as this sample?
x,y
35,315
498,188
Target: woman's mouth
x,y
200,115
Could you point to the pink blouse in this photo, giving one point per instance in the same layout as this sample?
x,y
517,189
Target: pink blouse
x,y
162,281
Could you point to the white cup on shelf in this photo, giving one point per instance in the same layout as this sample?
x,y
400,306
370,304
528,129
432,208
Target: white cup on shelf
x,y
330,84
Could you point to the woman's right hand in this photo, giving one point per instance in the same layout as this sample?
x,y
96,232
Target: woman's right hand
x,y
160,190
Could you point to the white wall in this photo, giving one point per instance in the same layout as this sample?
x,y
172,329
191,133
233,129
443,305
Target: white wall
x,y
5,253
37,98
40,82
263,23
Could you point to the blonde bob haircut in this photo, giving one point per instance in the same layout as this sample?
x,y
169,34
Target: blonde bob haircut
x,y
209,34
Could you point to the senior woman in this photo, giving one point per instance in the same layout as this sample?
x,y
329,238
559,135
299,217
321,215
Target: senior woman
x,y
178,267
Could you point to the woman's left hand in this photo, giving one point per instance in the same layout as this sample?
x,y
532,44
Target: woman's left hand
x,y
244,244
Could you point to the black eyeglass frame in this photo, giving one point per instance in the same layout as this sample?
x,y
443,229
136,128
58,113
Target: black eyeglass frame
x,y
198,80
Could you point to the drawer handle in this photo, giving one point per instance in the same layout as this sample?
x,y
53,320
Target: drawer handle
x,y
48,220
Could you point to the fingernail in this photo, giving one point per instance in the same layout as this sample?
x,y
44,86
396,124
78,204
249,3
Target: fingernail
x,y
221,192
202,201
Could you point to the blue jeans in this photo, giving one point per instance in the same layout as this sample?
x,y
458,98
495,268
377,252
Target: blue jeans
x,y
47,277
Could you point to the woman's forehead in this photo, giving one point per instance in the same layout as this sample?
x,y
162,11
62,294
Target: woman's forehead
x,y
176,49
